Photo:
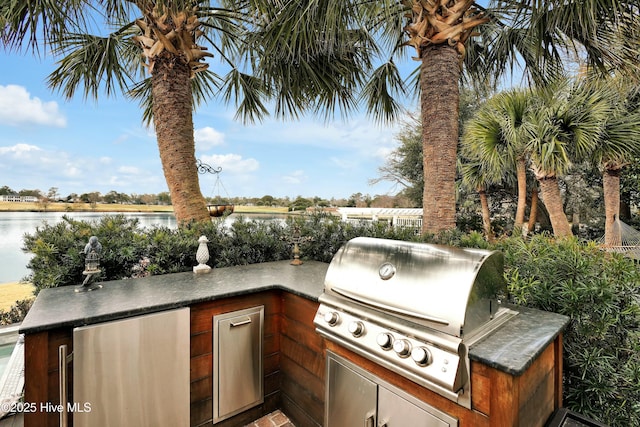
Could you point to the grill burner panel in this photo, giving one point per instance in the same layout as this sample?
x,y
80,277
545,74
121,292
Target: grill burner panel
x,y
413,308
420,359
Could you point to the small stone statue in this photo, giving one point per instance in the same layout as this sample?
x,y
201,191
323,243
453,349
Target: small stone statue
x,y
297,239
92,252
202,256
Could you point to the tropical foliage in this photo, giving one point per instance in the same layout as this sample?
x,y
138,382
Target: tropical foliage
x,y
599,292
548,131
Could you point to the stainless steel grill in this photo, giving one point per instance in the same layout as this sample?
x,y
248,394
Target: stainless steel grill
x,y
413,308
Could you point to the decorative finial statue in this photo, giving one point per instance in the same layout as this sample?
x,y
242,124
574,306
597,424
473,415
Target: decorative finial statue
x,y
297,239
202,256
92,252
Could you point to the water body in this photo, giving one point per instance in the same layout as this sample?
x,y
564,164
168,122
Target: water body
x,y
14,225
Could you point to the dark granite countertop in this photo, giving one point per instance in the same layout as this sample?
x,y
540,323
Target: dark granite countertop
x,y
63,307
512,348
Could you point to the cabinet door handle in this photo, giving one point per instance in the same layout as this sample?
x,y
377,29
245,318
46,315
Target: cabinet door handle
x,y
62,382
240,323
370,421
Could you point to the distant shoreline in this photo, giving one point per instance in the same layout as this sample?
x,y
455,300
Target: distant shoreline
x,y
119,208
11,292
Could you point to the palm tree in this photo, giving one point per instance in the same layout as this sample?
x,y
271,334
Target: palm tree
x,y
567,122
540,36
495,136
619,144
476,178
154,51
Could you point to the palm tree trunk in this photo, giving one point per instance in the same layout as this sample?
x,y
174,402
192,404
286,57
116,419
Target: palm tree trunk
x,y
611,188
439,75
533,212
552,199
486,215
173,120
521,173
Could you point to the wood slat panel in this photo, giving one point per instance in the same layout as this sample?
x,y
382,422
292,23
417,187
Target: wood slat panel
x,y
201,367
294,372
529,382
299,309
310,360
303,398
36,363
302,362
480,388
201,344
297,414
535,411
303,334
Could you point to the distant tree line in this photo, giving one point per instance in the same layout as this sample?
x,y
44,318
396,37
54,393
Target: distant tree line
x,y
295,204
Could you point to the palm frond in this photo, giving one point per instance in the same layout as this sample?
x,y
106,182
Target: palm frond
x,y
381,91
91,62
38,23
248,91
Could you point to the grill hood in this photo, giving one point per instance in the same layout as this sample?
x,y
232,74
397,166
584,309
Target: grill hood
x,y
451,290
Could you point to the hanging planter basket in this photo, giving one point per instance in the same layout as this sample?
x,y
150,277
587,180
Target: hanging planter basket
x,y
218,209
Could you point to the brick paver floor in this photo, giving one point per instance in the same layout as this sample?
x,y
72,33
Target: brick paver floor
x,y
274,419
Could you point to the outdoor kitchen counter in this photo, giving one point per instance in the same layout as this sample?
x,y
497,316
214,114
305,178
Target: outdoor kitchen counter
x,y
515,345
118,299
511,349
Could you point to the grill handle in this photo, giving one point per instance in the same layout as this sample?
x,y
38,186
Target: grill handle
x,y
383,306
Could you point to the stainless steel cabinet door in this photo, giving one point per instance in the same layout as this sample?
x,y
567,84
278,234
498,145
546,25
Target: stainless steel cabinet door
x,y
132,372
394,411
351,398
237,360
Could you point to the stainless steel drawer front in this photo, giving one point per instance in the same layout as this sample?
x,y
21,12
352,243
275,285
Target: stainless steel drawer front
x,y
237,360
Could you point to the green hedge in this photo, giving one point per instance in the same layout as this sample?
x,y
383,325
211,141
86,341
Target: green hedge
x,y
600,293
597,290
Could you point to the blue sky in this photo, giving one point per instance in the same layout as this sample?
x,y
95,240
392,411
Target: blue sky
x,y
81,146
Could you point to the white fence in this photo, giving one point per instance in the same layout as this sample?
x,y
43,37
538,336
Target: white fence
x,y
397,217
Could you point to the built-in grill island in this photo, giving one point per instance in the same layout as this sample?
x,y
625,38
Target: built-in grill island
x,y
418,339
414,309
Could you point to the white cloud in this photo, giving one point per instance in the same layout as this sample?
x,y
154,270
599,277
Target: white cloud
x,y
296,177
232,163
19,151
18,107
358,136
207,138
29,166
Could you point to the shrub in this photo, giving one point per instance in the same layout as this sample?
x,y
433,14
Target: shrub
x,y
17,312
599,292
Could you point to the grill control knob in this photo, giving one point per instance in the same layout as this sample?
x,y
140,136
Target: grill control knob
x,y
332,318
356,328
422,356
385,341
402,347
